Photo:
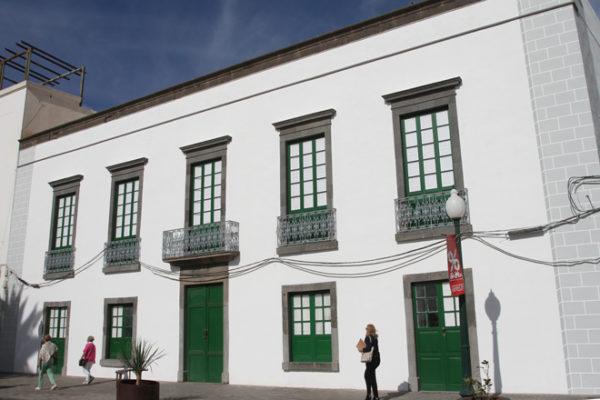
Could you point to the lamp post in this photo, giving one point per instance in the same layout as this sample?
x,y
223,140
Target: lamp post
x,y
456,209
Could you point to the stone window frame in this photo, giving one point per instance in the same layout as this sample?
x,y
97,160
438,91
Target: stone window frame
x,y
422,99
298,128
55,304
62,187
213,149
199,278
122,172
290,366
408,280
108,302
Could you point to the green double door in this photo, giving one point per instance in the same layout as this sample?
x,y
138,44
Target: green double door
x,y
57,319
204,333
437,335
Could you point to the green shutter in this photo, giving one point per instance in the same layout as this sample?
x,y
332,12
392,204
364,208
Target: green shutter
x,y
120,331
306,175
310,327
64,222
427,152
205,196
126,209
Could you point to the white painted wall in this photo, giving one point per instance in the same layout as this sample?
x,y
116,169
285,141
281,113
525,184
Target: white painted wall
x,y
501,171
12,104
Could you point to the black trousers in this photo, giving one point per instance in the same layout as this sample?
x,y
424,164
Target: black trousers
x,y
370,378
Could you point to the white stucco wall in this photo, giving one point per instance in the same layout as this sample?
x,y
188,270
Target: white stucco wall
x,y
501,170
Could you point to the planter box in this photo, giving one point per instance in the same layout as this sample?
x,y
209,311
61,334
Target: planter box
x,y
128,390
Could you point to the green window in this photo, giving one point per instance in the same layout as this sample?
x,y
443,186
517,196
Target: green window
x,y
120,331
307,178
427,152
310,327
64,221
126,209
56,327
206,193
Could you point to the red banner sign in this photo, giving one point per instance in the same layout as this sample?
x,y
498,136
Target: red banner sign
x,y
455,271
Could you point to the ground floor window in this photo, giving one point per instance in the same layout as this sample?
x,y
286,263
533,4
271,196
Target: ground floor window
x,y
310,331
120,322
56,324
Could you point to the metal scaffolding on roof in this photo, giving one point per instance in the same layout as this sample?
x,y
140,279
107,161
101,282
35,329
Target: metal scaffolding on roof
x,y
28,62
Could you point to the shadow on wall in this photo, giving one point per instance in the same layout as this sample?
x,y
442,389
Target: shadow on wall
x,y
28,328
492,309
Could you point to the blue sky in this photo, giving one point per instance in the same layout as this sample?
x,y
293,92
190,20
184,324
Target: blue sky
x,y
135,47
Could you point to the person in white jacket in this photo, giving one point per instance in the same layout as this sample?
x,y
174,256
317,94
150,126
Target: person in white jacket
x,y
46,359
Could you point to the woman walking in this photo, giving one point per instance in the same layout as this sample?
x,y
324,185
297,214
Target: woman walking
x,y
46,359
88,359
371,344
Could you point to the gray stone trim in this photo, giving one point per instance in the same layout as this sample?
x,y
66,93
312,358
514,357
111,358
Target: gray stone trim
x,y
305,119
61,187
191,149
120,268
71,180
296,129
200,277
439,232
288,365
418,93
122,172
108,362
408,280
127,166
51,276
48,304
204,151
327,245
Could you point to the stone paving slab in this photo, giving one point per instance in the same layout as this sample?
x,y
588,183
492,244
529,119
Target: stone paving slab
x,y
21,387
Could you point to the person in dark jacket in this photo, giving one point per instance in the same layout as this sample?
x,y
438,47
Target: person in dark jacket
x,y
371,343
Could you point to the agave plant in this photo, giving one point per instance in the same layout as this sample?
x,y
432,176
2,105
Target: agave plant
x,y
143,355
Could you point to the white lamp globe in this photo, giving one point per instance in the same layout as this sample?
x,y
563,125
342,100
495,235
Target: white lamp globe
x,y
455,205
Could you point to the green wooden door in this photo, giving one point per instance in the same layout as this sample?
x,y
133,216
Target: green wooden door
x,y
56,326
204,333
437,336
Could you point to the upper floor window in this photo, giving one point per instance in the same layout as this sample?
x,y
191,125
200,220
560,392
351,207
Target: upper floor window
x,y
61,249
428,159
427,151
205,192
122,250
307,220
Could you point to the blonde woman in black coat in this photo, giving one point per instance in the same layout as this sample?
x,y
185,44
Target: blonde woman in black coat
x,y
371,343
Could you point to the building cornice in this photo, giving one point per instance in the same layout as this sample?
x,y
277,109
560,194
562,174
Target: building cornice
x,y
352,33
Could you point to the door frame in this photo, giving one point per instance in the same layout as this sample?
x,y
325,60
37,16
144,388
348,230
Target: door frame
x,y
55,304
202,280
413,378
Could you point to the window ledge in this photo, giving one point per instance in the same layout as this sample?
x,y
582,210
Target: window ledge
x,y
430,233
111,363
291,249
50,276
121,268
311,366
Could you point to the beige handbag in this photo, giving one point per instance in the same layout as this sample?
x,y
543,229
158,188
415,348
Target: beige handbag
x,y
367,357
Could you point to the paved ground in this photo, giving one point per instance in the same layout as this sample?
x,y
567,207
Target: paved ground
x,y
19,387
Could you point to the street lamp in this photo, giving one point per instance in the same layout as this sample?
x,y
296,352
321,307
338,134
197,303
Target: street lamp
x,y
456,209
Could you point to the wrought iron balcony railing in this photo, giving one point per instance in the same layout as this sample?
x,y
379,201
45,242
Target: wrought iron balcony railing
x,y
426,211
308,227
202,240
60,260
122,252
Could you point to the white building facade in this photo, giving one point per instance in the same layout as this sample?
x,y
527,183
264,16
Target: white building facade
x,y
147,220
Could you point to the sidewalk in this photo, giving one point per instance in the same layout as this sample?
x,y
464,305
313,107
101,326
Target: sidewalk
x,y
21,387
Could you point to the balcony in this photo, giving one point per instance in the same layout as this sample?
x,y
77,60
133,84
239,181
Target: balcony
x,y
424,216
122,256
59,264
202,244
306,232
